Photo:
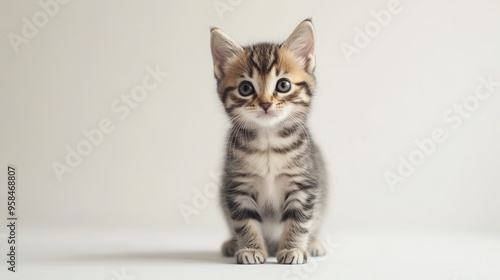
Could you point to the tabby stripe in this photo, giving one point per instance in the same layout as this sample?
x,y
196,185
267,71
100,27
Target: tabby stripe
x,y
234,193
304,206
307,206
297,161
295,145
248,133
250,70
301,230
231,191
287,131
238,103
231,108
245,214
242,133
254,64
277,72
305,86
241,174
225,93
237,100
243,230
239,146
274,62
293,95
296,215
300,103
305,185
292,174
311,198
233,185
300,156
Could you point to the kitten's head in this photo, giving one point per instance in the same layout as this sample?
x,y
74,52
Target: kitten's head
x,y
265,84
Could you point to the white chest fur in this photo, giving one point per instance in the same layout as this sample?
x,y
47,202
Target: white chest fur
x,y
270,187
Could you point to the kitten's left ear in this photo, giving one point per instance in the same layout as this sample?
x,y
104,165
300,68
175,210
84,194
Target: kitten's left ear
x,y
301,43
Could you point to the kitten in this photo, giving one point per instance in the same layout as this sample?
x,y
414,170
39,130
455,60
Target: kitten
x,y
274,182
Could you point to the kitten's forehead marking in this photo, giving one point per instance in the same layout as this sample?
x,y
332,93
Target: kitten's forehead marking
x,y
263,57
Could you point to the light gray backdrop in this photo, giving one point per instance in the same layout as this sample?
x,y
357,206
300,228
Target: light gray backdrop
x,y
87,65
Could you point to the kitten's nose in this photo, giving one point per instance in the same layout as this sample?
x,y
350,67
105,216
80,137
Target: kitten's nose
x,y
265,105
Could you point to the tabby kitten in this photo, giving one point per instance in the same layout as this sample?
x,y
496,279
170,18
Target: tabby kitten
x,y
274,180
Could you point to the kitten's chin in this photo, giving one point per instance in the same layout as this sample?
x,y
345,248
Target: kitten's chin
x,y
268,119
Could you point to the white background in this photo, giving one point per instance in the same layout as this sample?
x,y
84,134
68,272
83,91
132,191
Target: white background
x,y
366,113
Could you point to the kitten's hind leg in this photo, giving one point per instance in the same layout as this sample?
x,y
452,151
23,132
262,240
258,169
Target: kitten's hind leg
x,y
316,247
229,247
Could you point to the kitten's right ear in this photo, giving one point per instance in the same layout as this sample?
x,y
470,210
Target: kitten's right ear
x,y
301,43
223,47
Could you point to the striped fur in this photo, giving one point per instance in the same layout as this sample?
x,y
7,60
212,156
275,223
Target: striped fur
x,y
274,183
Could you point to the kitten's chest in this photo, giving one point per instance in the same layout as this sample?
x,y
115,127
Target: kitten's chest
x,y
270,189
266,163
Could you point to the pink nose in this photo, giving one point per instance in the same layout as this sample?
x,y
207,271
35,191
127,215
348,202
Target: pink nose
x,y
265,105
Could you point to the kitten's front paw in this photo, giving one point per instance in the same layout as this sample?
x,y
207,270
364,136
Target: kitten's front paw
x,y
292,256
251,256
316,248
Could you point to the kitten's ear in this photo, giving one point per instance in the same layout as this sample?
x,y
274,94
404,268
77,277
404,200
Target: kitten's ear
x,y
301,43
223,47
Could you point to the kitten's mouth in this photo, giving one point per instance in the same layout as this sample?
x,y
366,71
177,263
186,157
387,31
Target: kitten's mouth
x,y
266,115
269,118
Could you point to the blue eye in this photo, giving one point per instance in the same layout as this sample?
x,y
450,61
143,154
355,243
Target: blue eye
x,y
283,85
246,88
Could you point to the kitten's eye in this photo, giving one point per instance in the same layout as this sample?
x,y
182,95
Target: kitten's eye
x,y
283,85
246,88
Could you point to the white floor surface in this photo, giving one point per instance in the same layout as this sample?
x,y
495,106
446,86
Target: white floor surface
x,y
143,255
